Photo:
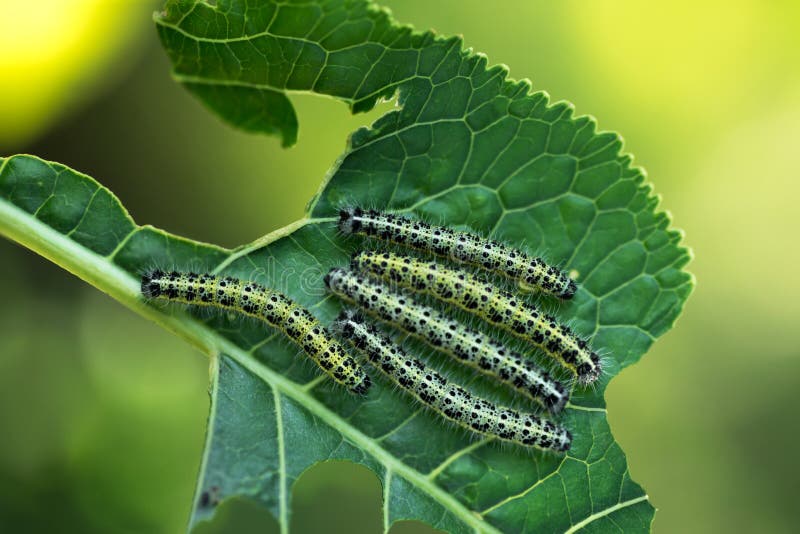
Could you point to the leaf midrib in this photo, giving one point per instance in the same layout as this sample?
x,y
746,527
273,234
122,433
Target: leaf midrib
x,y
100,272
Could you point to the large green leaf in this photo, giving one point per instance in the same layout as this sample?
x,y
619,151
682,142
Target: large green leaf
x,y
466,146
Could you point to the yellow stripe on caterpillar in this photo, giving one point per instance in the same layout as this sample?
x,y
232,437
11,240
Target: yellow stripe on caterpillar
x,y
272,307
464,247
468,346
487,301
450,400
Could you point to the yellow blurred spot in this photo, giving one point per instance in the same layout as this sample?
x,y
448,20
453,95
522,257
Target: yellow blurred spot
x,y
741,219
53,52
689,61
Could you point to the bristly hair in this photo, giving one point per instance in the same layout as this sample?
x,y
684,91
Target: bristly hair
x,y
463,247
151,289
450,400
462,343
257,301
485,300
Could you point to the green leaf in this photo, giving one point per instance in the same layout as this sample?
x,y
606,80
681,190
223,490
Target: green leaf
x,y
465,146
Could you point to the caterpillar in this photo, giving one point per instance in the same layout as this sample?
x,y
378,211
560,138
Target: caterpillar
x,y
267,305
459,246
490,303
448,399
468,346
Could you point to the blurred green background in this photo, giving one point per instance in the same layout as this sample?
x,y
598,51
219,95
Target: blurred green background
x,y
103,413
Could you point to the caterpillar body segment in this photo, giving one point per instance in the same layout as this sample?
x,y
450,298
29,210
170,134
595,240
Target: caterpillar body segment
x,y
468,346
272,307
492,304
448,399
465,247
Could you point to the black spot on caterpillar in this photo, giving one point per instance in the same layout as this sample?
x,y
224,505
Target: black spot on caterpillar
x,y
267,305
490,303
449,400
468,346
459,246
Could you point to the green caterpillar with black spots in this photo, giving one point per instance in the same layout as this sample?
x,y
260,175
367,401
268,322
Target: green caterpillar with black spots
x,y
493,256
270,306
468,346
492,304
448,399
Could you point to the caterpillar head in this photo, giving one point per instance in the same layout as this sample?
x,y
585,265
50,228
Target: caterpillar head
x,y
556,400
588,373
332,278
563,441
345,323
151,283
569,291
348,220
